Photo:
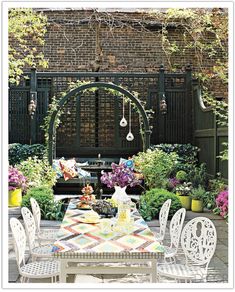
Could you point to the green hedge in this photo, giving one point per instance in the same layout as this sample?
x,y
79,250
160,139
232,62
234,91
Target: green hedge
x,y
152,201
19,152
50,210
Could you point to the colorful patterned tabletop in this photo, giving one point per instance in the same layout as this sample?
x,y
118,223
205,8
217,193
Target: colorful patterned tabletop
x,y
80,240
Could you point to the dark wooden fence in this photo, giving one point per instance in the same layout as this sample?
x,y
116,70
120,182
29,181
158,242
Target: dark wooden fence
x,y
208,136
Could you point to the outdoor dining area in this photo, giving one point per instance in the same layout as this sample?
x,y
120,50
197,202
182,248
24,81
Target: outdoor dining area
x,y
112,231
118,147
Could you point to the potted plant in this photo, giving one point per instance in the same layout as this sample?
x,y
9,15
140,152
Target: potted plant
x,y
198,196
183,192
16,184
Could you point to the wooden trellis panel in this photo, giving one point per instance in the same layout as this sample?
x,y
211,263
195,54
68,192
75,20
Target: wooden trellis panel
x,y
90,122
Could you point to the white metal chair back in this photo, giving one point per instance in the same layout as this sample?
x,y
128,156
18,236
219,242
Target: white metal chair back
x,y
198,241
176,226
19,236
163,216
36,213
30,227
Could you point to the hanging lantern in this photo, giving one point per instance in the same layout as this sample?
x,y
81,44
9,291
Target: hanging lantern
x,y
123,122
32,105
163,105
130,136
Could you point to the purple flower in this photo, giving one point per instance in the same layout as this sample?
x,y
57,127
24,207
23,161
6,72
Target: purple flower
x,y
173,182
120,175
16,179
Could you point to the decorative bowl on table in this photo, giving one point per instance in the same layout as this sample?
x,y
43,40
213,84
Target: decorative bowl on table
x,y
103,208
84,205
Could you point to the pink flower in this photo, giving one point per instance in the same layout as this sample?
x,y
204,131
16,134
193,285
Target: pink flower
x,y
16,179
222,202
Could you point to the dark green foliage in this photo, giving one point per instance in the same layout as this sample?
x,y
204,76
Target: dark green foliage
x,y
152,201
215,186
198,193
19,152
50,210
209,200
197,175
187,155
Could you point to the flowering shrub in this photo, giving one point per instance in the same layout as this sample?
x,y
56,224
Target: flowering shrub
x,y
38,172
222,204
16,180
120,175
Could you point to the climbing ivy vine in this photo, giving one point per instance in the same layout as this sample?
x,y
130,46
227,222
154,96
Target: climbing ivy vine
x,y
26,32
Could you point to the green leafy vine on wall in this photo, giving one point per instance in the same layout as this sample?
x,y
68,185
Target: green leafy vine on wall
x,y
54,106
26,31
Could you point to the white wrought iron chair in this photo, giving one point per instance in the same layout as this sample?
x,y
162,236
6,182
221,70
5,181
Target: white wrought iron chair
x,y
198,241
176,226
163,216
40,251
42,269
45,234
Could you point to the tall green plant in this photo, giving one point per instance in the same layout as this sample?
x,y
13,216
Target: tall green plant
x,y
156,166
38,172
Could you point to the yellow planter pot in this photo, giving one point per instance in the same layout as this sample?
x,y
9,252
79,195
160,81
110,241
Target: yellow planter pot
x,y
197,206
185,201
15,198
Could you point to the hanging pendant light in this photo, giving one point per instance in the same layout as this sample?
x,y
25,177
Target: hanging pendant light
x,y
130,136
123,122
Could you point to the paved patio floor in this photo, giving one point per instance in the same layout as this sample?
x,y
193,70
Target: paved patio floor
x,y
218,268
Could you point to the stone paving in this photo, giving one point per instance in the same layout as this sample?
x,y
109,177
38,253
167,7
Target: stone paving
x,y
218,268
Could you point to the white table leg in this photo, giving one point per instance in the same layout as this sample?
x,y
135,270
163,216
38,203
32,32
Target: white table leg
x,y
63,273
154,271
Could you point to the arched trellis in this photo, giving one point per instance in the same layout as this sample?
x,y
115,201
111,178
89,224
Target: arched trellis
x,y
81,88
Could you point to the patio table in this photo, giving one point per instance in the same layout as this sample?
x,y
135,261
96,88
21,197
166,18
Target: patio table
x,y
80,243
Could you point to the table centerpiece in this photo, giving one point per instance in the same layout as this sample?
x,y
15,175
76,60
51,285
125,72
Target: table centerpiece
x,y
119,178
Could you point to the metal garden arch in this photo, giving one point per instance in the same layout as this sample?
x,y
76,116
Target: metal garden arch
x,y
147,131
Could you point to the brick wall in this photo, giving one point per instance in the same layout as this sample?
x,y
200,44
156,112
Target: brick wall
x,y
71,47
